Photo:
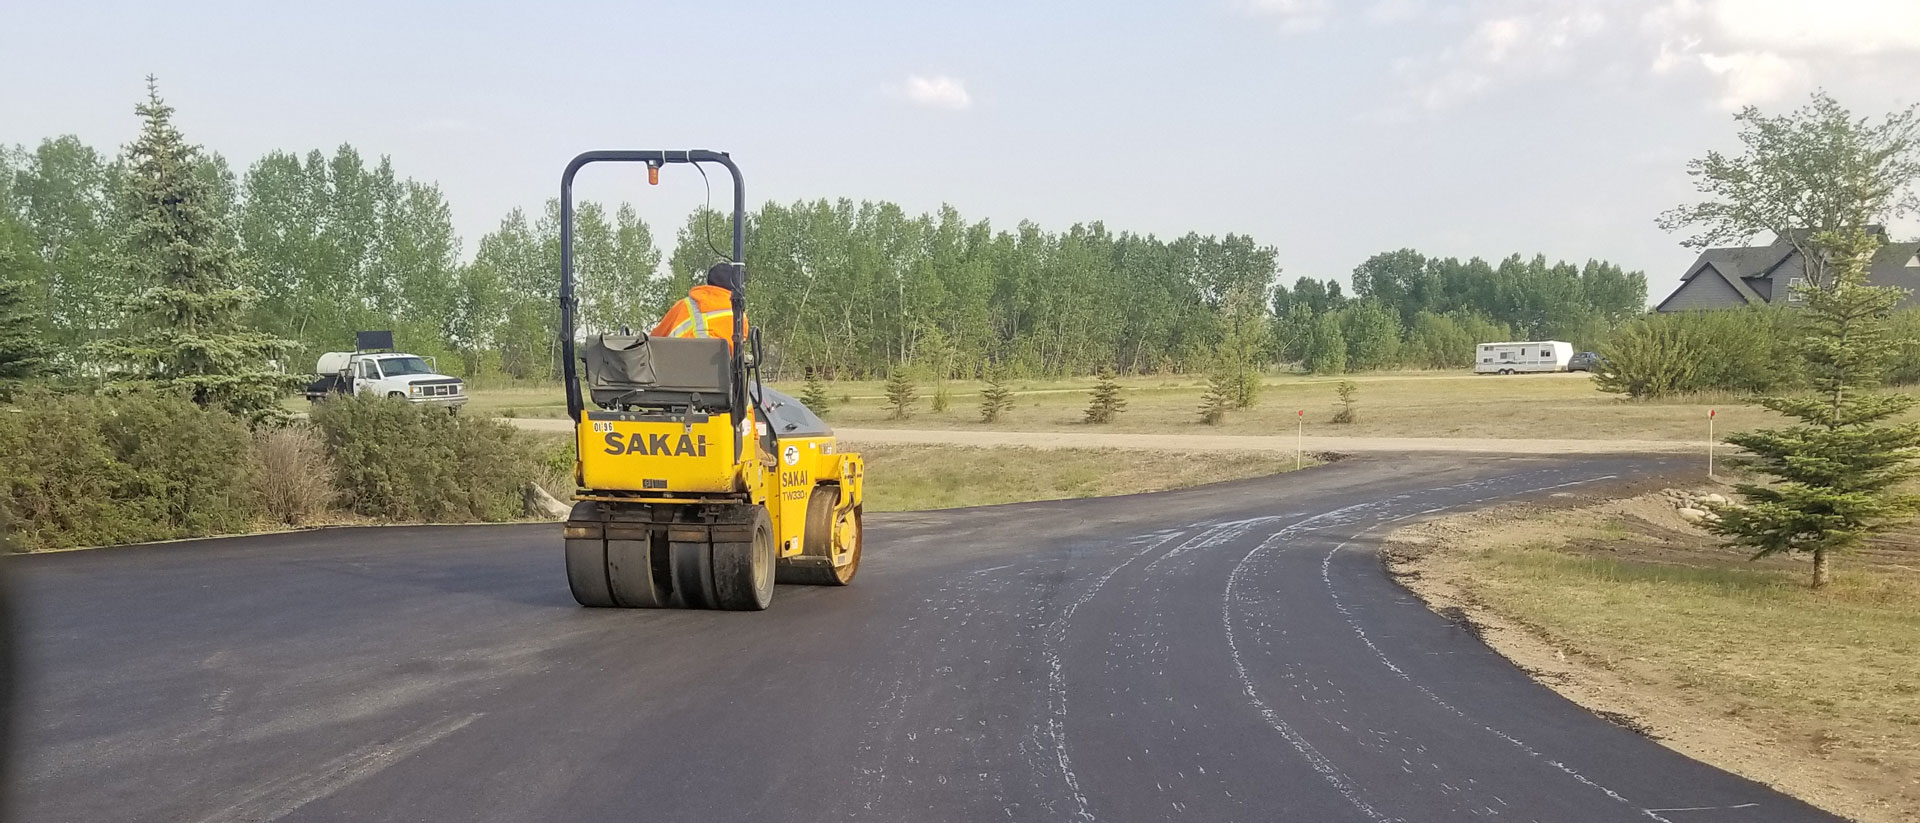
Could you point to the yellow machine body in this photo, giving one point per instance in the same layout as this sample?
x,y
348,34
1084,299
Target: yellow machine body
x,y
651,485
621,453
698,487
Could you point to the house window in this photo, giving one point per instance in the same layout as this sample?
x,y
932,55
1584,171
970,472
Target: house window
x,y
1794,285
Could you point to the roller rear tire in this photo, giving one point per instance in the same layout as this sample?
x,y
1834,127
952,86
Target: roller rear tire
x,y
743,572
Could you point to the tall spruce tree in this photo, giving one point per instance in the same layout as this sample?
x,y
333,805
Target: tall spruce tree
x,y
23,351
23,346
188,331
1838,471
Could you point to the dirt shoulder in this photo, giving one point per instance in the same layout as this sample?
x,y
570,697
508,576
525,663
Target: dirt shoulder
x,y
1623,607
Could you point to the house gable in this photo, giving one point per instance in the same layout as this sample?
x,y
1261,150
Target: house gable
x,y
1757,275
1707,289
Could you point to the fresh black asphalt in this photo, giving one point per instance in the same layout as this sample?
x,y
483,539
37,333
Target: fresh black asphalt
x,y
1227,653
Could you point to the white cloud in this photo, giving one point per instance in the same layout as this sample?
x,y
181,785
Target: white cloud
x,y
1836,27
1761,51
1506,42
1293,15
1389,12
1748,51
1755,77
937,92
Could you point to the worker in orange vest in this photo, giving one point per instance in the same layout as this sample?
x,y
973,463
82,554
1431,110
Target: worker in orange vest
x,y
707,310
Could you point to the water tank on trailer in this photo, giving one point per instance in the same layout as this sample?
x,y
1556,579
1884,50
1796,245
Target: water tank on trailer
x,y
333,362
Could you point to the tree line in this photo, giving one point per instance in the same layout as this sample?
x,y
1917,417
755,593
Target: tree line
x,y
332,243
1413,311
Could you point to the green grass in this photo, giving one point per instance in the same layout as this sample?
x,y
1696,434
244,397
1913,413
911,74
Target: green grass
x,y
1390,404
1834,672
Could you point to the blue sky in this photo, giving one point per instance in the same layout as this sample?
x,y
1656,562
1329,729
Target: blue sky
x,y
1332,130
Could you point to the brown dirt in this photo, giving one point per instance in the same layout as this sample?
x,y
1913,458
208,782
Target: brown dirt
x,y
1435,560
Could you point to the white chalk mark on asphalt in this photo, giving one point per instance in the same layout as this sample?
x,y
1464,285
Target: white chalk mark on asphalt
x,y
1326,577
1055,639
1710,808
1320,763
278,798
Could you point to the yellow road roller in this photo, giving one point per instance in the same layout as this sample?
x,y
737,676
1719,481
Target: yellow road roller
x,y
697,486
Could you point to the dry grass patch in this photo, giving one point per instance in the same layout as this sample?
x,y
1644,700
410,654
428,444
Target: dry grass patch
x,y
1389,404
917,478
1628,610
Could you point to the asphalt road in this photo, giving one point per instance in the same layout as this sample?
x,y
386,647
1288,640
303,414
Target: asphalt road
x,y
1218,654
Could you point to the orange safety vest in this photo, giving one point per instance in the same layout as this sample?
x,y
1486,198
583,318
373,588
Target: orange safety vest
x,y
706,311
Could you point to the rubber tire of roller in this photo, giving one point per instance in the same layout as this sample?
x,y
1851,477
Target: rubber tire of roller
x,y
630,576
692,570
587,564
817,545
743,572
587,573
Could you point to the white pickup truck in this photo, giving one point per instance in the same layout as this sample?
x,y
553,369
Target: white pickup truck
x,y
408,377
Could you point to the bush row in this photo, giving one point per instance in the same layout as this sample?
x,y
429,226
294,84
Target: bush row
x,y
1746,351
81,470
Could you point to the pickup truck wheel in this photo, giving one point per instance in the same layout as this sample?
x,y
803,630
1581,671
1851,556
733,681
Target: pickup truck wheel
x,y
396,395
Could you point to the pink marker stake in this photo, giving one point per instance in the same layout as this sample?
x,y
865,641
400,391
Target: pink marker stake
x,y
1710,443
1300,440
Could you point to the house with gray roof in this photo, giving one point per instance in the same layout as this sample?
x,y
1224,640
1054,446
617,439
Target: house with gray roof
x,y
1757,275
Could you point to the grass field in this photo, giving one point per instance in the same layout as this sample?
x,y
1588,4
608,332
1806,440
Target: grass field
x,y
1392,404
917,478
1740,664
914,477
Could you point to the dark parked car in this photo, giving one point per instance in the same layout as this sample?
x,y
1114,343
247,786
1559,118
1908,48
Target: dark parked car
x,y
1584,361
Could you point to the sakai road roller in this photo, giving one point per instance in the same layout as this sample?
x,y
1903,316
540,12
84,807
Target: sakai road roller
x,y
697,486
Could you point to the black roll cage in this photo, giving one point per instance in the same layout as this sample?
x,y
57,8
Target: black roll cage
x,y
738,396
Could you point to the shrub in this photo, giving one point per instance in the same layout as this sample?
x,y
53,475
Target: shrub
x,y
814,397
1650,358
1106,402
996,399
1346,390
292,476
1747,351
1905,367
396,461
901,393
1222,388
81,470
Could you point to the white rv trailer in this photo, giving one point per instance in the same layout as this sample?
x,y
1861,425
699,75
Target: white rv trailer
x,y
1529,356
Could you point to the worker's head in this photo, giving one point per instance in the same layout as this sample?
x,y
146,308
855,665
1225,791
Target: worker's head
x,y
724,275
